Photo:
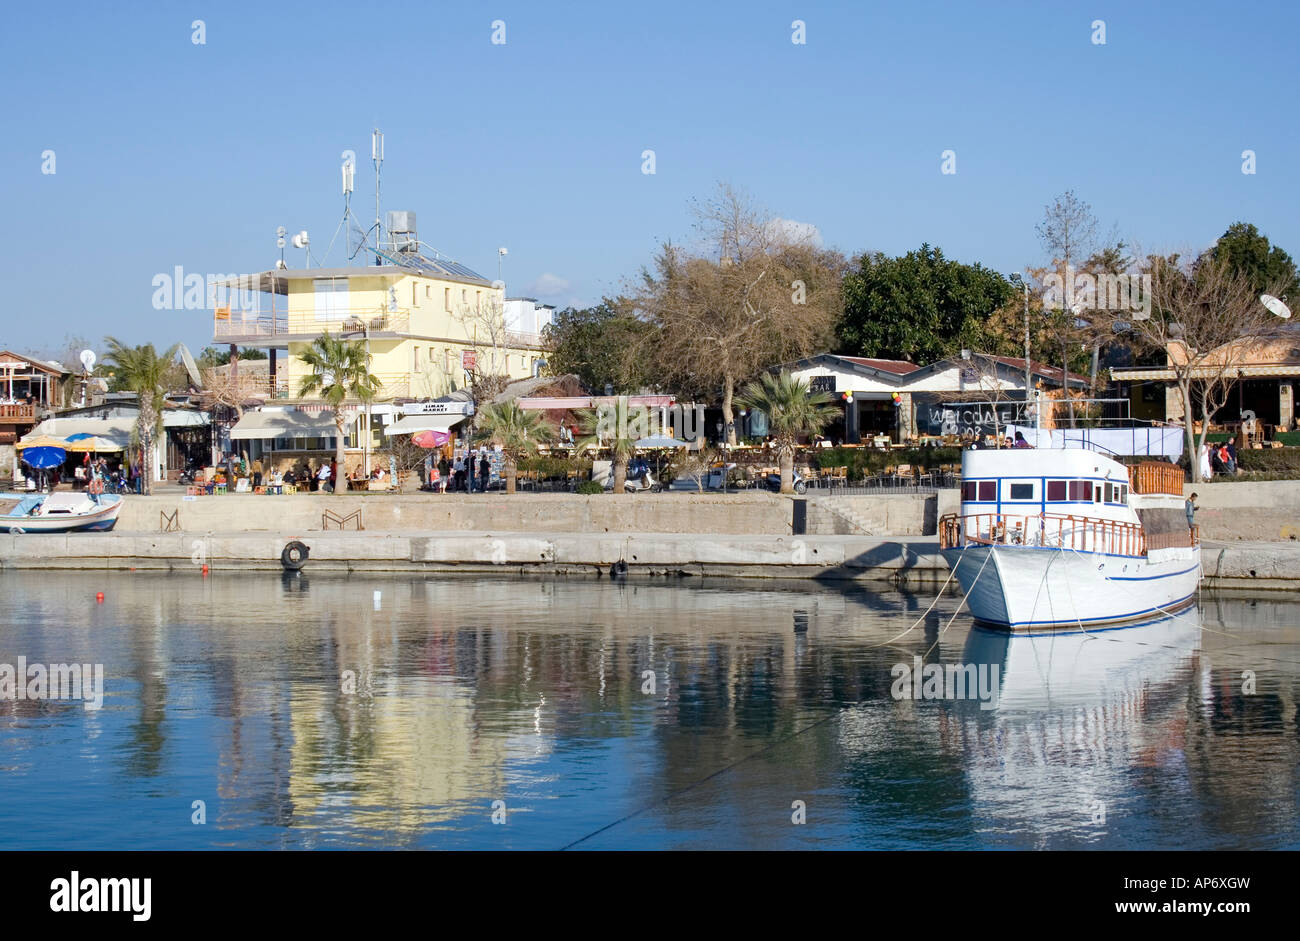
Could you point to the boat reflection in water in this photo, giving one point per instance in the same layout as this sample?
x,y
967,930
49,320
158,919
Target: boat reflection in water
x,y
1079,720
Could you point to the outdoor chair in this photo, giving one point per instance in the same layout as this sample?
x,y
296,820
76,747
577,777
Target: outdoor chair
x,y
840,476
905,474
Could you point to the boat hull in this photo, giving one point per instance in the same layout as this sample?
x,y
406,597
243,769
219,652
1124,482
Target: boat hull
x,y
100,520
1036,588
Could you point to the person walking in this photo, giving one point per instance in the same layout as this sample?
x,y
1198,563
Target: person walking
x,y
458,468
484,470
444,471
324,475
1231,449
257,472
470,467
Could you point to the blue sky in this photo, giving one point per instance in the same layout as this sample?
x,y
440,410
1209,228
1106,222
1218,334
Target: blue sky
x,y
170,153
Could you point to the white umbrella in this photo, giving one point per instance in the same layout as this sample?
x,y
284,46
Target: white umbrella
x,y
661,441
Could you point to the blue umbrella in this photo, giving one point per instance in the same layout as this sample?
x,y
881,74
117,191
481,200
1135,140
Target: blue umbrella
x,y
44,457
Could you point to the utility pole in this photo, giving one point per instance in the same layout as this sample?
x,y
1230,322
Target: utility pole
x,y
377,155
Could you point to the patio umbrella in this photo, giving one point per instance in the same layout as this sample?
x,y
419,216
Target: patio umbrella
x,y
431,439
89,442
44,457
660,442
41,441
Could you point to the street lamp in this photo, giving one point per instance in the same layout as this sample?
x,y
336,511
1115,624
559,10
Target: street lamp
x,y
501,254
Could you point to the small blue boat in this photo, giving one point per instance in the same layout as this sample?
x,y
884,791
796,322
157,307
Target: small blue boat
x,y
61,513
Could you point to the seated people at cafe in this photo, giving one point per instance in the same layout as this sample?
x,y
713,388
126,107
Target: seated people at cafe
x,y
1021,442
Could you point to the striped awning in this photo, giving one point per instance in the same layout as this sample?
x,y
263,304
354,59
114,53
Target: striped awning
x,y
1247,371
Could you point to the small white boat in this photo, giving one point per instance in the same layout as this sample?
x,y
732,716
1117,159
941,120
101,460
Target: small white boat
x,y
61,513
1068,538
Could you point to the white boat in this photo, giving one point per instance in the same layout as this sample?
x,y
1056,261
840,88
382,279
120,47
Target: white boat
x,y
61,513
1068,538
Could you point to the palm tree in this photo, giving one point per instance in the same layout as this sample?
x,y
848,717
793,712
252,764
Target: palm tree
x,y
608,429
516,431
140,369
340,370
792,410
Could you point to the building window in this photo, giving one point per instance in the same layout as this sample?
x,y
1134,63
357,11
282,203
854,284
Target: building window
x,y
414,302
446,299
415,358
331,298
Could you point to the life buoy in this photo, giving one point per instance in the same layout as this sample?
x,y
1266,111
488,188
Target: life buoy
x,y
294,556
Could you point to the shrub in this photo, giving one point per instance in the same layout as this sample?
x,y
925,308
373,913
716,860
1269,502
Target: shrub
x,y
590,487
555,466
867,462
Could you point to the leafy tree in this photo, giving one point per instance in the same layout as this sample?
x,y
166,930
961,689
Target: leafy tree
x,y
340,370
602,345
140,369
1247,251
918,307
791,411
517,431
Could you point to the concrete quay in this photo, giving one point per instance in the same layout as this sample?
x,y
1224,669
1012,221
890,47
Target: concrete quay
x,y
896,560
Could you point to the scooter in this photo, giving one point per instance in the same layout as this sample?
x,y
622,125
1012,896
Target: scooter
x,y
639,479
773,482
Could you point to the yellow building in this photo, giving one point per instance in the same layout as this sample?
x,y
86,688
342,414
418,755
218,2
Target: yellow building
x,y
429,323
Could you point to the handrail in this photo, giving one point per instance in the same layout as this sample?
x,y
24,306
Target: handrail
x,y
1054,530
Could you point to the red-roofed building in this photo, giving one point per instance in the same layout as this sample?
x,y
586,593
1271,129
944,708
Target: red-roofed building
x,y
930,398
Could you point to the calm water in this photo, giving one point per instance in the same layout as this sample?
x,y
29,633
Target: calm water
x,y
230,690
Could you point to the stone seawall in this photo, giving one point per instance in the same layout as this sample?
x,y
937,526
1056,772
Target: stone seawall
x,y
1253,567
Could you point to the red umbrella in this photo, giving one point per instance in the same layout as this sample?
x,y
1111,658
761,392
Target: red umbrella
x,y
431,439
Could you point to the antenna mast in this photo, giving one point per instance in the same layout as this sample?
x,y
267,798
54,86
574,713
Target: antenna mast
x,y
377,155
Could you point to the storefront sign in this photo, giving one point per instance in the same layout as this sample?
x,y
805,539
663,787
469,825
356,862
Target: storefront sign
x,y
437,408
822,384
468,359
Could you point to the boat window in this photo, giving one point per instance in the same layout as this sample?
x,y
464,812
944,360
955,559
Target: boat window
x,y
968,490
987,490
1056,490
1110,493
1098,492
1081,490
1022,491
1123,493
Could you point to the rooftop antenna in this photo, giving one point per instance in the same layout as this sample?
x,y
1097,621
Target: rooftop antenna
x,y
302,241
279,243
377,155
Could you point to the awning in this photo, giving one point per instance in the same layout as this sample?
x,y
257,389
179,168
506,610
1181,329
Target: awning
x,y
413,424
285,425
1212,371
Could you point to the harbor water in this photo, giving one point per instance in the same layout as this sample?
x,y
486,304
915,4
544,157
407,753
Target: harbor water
x,y
309,711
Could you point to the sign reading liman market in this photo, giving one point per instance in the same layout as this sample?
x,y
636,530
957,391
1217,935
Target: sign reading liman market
x,y
437,408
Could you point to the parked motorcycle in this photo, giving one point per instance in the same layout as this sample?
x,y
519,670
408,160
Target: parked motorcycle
x,y
773,482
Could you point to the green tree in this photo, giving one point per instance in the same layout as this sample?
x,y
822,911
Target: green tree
x,y
1247,251
517,431
340,370
918,307
140,369
791,410
602,345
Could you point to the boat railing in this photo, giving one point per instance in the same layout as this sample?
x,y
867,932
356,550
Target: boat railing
x,y
1055,530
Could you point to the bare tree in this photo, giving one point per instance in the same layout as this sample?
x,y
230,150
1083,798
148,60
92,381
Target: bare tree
x,y
1068,233
1208,320
760,292
484,324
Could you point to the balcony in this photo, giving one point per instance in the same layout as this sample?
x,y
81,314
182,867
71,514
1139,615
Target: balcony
x,y
281,327
516,339
17,413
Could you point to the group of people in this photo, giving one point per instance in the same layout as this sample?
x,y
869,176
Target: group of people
x,y
95,476
458,474
1000,442
1219,458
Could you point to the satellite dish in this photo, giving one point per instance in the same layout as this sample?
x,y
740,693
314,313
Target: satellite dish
x,y
280,231
191,367
1275,305
499,284
279,243
502,251
88,359
300,240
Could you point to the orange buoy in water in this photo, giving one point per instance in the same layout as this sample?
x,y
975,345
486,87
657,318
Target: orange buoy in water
x,y
99,598
205,571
